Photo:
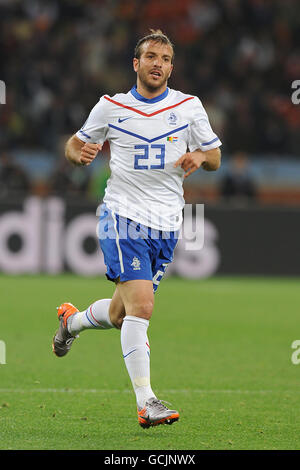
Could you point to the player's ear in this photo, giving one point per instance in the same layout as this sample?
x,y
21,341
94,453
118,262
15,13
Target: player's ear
x,y
172,66
135,64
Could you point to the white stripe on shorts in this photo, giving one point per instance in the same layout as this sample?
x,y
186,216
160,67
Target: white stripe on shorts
x,y
118,242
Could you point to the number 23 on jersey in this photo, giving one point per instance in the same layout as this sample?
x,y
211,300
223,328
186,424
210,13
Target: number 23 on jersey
x,y
157,151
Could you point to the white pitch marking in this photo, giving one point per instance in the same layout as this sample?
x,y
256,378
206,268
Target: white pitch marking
x,y
95,390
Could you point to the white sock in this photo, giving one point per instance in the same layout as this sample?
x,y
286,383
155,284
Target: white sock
x,y
136,353
96,316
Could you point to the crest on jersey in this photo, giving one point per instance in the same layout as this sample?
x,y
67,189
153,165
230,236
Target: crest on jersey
x,y
172,118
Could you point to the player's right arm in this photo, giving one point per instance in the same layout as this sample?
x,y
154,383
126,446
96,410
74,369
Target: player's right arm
x,y
82,147
79,152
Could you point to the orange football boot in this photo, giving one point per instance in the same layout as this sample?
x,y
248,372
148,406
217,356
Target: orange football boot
x,y
62,340
155,413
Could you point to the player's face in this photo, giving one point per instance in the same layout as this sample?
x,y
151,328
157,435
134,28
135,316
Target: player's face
x,y
154,66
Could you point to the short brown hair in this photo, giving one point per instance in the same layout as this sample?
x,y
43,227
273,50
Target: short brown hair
x,y
156,35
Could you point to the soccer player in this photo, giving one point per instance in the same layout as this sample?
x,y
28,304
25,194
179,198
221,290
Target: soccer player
x,y
158,137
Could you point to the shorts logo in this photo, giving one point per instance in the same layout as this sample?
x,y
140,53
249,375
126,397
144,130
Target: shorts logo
x,y
136,264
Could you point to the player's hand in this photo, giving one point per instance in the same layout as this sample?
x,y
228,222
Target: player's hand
x,y
88,153
191,161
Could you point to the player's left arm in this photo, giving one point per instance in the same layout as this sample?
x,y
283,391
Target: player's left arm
x,y
202,142
210,160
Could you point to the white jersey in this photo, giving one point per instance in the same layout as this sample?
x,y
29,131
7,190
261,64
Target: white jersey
x,y
146,137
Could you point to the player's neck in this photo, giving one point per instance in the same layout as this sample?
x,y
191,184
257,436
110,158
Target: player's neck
x,y
149,94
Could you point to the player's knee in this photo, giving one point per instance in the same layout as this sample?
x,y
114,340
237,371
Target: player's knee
x,y
146,310
117,321
117,317
141,309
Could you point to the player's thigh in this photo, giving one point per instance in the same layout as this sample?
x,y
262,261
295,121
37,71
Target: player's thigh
x,y
117,309
138,297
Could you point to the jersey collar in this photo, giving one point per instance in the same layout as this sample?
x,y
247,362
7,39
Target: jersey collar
x,y
149,100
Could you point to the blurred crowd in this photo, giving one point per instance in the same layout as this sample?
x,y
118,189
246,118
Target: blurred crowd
x,y
239,56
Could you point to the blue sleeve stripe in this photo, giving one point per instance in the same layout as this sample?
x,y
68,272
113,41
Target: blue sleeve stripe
x,y
83,133
211,141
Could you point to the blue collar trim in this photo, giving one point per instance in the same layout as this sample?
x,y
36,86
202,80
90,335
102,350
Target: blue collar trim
x,y
149,100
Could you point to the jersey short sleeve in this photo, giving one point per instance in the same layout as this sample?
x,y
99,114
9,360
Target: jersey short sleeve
x,y
95,127
201,134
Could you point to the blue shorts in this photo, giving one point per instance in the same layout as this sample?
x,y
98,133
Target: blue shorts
x,y
132,250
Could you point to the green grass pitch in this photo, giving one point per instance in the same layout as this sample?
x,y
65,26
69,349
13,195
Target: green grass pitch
x,y
220,354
